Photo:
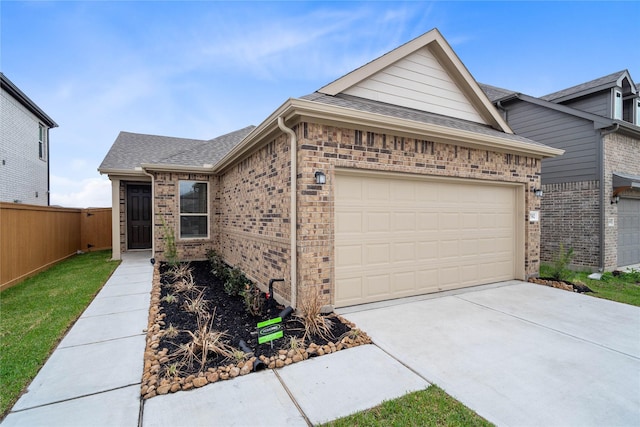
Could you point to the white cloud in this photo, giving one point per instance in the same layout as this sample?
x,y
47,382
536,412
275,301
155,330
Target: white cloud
x,y
91,192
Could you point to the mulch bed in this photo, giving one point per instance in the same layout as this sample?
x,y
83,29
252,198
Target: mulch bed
x,y
164,369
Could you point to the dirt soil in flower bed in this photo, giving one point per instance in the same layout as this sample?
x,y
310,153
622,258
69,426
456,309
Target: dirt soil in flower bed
x,y
165,372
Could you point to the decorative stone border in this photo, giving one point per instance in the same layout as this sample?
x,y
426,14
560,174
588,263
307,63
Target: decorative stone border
x,y
153,384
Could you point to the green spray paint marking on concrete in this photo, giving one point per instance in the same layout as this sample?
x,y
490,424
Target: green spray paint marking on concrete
x,y
270,330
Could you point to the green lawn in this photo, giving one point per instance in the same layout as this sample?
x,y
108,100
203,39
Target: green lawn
x,y
35,315
429,407
624,288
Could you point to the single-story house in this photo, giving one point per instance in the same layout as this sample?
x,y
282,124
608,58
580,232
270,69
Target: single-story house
x,y
591,197
397,179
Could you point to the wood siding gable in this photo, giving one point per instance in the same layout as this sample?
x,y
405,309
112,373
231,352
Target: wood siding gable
x,y
575,135
420,82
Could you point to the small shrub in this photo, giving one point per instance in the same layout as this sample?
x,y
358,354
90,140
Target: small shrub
x,y
235,283
178,271
171,332
185,285
169,298
560,267
170,250
197,305
205,340
218,266
309,312
253,300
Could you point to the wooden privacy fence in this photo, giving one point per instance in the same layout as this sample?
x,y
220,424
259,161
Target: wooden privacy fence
x,y
32,238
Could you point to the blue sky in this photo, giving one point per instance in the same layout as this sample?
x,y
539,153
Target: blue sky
x,y
202,69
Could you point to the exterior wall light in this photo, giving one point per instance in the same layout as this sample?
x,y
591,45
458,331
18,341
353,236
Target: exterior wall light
x,y
615,199
537,192
321,178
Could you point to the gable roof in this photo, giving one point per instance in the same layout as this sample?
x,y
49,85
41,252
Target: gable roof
x,y
23,99
360,104
499,95
425,74
132,150
596,85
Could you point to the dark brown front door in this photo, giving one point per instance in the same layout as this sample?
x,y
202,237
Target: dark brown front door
x,y
139,216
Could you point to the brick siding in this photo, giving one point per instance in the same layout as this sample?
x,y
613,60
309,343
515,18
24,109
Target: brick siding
x,y
23,173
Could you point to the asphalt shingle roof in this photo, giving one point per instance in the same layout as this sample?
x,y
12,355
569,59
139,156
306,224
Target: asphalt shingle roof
x,y
130,150
356,103
601,81
494,93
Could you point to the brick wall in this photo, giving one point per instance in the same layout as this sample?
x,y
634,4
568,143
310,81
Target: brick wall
x,y
621,154
571,216
253,213
326,148
166,202
22,172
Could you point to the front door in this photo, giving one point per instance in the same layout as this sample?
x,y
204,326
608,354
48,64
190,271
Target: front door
x,y
139,216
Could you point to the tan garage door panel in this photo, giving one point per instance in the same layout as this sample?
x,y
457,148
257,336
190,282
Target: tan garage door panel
x,y
398,237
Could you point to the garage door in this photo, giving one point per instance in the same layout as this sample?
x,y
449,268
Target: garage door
x,y
628,232
398,236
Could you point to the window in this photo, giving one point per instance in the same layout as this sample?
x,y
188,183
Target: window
x,y
617,105
42,133
638,112
194,210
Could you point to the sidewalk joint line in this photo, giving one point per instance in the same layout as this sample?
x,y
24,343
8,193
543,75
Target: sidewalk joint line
x,y
293,399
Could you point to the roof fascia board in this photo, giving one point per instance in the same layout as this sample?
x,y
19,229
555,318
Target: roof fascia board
x,y
476,96
16,93
380,63
120,172
292,109
448,59
444,134
205,169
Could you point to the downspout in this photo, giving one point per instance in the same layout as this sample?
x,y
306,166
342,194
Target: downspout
x,y
294,210
153,215
603,133
503,109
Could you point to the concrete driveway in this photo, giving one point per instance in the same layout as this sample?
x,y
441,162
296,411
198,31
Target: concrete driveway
x,y
517,353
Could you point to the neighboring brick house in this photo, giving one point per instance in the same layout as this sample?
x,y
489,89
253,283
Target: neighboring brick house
x,y
24,147
406,180
591,197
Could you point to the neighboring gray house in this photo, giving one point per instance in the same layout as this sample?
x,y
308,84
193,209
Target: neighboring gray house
x,y
592,193
24,147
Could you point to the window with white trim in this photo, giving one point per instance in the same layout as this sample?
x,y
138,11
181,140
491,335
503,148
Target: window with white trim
x,y
637,112
194,210
42,142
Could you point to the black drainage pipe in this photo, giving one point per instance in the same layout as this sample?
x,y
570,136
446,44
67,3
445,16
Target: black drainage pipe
x,y
271,302
258,364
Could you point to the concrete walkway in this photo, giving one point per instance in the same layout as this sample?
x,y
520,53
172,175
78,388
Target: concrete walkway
x,y
93,377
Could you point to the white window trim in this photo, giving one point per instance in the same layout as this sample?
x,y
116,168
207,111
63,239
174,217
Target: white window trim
x,y
42,141
180,214
636,104
617,105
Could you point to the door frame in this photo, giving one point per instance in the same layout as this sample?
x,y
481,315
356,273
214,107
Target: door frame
x,y
128,186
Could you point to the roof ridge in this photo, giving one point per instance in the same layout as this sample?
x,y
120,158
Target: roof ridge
x,y
589,83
